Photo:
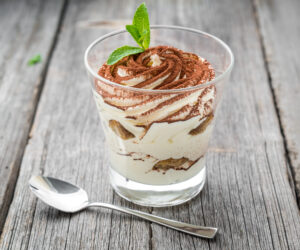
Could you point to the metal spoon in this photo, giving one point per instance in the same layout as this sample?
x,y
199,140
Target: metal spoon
x,y
70,198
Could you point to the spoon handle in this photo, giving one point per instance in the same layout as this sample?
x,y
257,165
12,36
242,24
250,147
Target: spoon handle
x,y
200,231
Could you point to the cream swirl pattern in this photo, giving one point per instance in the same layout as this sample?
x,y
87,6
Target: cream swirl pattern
x,y
161,67
157,138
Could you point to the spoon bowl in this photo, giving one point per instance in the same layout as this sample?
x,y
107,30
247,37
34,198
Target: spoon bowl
x,y
62,195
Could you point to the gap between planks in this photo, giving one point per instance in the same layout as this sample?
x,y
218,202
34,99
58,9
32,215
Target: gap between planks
x,y
290,171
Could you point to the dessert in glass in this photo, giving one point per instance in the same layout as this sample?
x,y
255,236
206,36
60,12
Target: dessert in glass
x,y
157,110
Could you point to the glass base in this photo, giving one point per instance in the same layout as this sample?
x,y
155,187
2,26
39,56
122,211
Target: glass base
x,y
157,195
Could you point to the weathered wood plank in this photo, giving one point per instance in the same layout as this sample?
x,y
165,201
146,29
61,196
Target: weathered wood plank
x,y
280,30
27,28
67,142
247,193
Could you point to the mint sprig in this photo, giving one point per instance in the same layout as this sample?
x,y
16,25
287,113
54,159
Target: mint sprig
x,y
140,26
34,60
140,31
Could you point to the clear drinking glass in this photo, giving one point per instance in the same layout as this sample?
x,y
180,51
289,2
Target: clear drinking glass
x,y
162,164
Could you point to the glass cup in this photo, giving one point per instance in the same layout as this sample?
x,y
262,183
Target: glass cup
x,y
159,163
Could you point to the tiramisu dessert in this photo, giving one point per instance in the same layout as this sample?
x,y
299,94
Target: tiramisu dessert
x,y
157,101
157,137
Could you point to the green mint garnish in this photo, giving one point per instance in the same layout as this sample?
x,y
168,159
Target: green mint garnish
x,y
140,31
34,60
140,27
120,53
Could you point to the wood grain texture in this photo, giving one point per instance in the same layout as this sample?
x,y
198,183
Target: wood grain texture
x,y
247,194
280,30
27,28
67,142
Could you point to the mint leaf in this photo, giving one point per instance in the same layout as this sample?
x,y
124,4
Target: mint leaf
x,y
139,30
134,33
143,36
141,22
34,60
120,53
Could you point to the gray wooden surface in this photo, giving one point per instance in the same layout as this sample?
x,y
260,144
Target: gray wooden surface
x,y
27,28
252,160
280,31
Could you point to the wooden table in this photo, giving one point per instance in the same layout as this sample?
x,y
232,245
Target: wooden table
x,y
49,125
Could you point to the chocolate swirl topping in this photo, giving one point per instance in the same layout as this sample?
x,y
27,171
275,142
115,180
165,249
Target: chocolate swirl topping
x,y
160,67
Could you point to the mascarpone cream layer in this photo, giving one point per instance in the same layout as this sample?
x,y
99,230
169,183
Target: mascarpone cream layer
x,y
134,158
146,129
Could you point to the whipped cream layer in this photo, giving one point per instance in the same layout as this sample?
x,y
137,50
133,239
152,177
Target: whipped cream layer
x,y
136,159
156,137
160,67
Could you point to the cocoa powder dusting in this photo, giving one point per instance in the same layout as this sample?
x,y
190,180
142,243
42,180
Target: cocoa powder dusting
x,y
177,68
161,68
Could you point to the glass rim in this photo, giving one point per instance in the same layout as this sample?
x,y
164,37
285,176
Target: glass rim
x,y
206,84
